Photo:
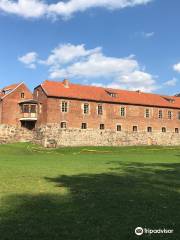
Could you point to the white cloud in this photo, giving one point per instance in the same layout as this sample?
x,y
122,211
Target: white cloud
x,y
176,67
39,8
24,8
29,59
148,34
136,80
75,61
66,53
171,83
98,65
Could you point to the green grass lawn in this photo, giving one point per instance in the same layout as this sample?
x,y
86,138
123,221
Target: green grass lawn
x,y
88,193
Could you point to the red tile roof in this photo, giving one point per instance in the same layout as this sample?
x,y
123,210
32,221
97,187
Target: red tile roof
x,y
9,88
100,94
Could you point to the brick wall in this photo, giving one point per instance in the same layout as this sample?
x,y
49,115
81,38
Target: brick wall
x,y
10,105
42,99
49,133
135,115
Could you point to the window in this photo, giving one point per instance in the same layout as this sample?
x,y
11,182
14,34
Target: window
x,y
135,128
149,129
160,114
102,126
84,125
25,108
163,129
147,113
169,115
86,108
171,100
112,94
64,106
22,95
118,128
33,109
63,125
176,130
122,112
100,109
178,115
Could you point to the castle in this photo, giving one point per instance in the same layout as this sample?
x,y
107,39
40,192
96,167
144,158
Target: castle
x,y
67,114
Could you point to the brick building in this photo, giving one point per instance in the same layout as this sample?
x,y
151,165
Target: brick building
x,y
89,107
63,113
16,105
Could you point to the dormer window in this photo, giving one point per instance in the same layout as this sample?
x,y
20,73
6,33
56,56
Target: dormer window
x,y
171,100
6,91
112,94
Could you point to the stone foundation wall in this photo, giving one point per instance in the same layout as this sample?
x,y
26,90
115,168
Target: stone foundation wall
x,y
11,134
53,136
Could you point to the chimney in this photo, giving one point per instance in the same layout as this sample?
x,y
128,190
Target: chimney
x,y
66,83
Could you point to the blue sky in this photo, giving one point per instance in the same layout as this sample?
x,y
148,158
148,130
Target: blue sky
x,y
104,43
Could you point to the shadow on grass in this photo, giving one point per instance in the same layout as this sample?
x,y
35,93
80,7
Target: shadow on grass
x,y
98,207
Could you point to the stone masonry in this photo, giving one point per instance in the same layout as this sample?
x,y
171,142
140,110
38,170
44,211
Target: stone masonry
x,y
11,134
52,135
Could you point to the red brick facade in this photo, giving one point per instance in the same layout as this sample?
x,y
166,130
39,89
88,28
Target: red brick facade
x,y
112,115
74,106
10,97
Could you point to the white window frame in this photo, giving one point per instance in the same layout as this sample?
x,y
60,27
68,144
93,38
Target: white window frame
x,y
98,109
160,110
83,108
170,114
123,107
147,114
67,107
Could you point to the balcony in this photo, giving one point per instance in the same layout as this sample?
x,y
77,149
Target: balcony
x,y
28,116
28,113
28,109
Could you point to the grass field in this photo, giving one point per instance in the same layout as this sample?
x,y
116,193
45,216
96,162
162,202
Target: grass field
x,y
88,193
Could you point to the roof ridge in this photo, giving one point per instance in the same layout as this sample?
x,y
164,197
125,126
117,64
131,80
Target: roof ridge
x,y
112,89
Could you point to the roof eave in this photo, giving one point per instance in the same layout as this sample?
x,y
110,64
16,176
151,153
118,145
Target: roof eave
x,y
12,90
